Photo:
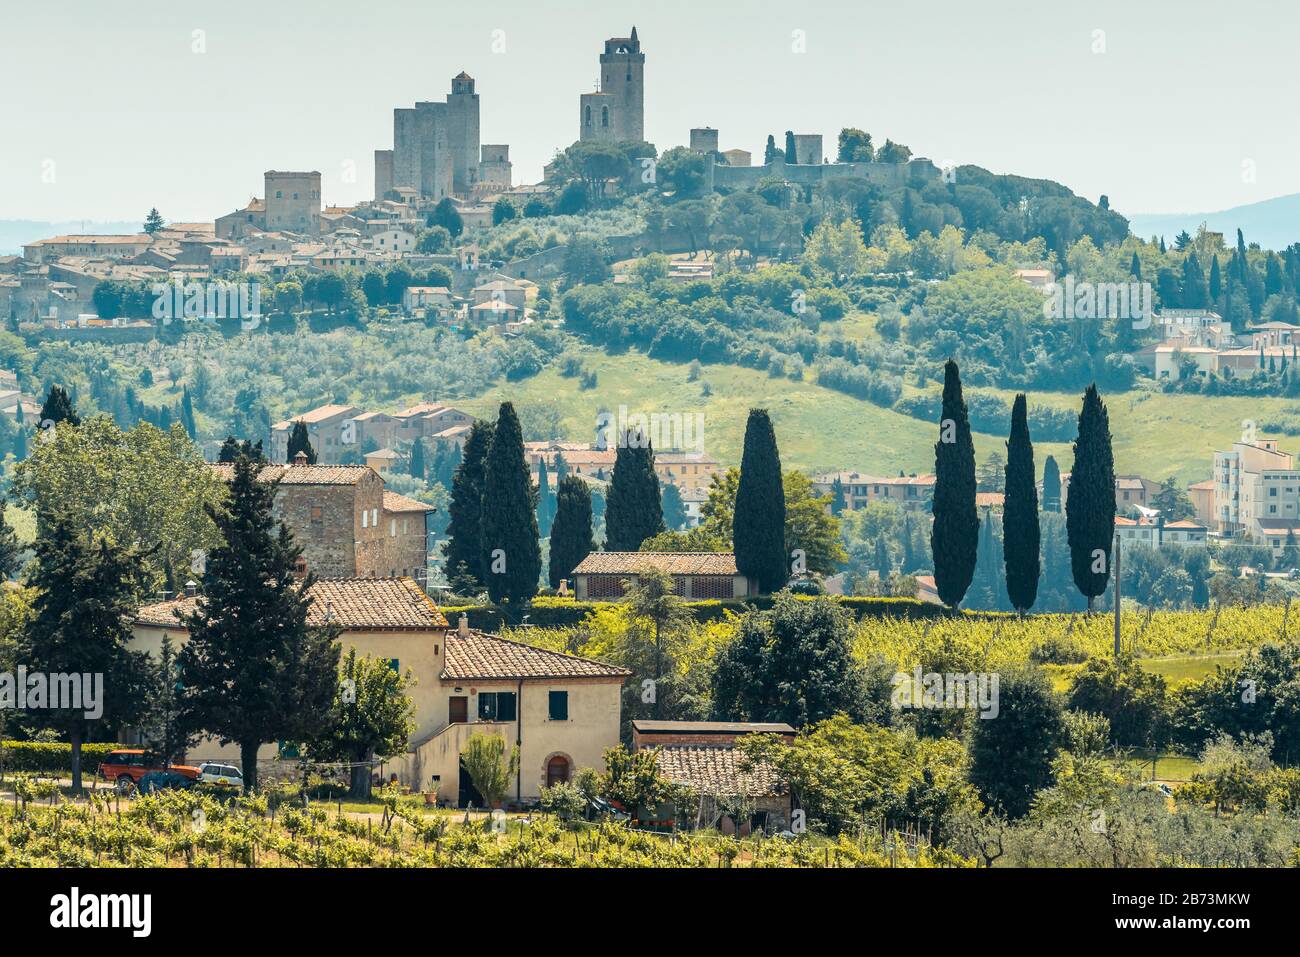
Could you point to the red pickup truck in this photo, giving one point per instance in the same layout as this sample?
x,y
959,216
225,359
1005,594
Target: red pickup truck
x,y
126,766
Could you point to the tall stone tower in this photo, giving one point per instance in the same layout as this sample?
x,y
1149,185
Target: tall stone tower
x,y
616,113
463,134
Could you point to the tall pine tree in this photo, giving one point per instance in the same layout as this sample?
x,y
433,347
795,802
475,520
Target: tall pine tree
x,y
512,554
545,500
571,538
758,522
254,670
58,408
954,537
1090,506
1020,513
464,555
633,509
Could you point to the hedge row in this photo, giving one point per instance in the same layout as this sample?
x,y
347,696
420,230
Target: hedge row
x,y
44,757
549,612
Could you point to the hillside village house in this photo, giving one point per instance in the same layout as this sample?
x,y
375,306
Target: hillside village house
x,y
1154,533
561,711
696,575
861,488
1257,492
689,471
340,432
346,522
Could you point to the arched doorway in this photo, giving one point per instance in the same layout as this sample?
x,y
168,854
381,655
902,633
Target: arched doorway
x,y
557,770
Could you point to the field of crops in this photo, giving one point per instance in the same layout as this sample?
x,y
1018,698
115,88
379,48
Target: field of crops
x,y
990,644
187,829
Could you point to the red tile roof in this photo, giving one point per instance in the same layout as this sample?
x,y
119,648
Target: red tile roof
x,y
400,503
674,563
480,655
354,604
716,771
301,474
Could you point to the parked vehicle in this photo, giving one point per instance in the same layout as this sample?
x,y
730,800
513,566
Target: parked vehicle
x,y
168,779
126,766
221,775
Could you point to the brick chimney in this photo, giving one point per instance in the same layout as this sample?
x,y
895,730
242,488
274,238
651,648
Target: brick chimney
x,y
300,458
191,588
462,626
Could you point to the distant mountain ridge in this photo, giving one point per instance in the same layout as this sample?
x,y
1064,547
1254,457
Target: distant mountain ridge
x,y
1273,223
15,232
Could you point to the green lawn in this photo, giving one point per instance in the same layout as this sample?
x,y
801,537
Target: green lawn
x,y
1176,670
820,429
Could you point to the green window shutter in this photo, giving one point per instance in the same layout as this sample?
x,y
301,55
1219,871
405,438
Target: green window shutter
x,y
506,706
559,705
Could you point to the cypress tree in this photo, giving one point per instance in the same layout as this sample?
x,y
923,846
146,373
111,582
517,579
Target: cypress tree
x,y
791,154
909,554
1020,513
1135,267
770,152
187,414
464,555
883,566
758,523
10,549
954,537
1051,485
674,508
58,408
1216,280
837,496
545,501
1090,508
417,466
254,671
633,509
300,442
571,538
512,555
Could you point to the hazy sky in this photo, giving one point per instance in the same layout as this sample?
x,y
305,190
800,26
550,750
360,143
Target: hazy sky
x,y
109,99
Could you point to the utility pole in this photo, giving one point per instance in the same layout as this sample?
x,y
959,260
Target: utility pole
x,y
1117,594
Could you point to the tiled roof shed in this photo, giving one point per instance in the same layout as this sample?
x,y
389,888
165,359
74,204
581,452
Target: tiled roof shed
x,y
674,563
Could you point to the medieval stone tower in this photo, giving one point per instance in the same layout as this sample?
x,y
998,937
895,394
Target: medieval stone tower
x,y
463,133
616,112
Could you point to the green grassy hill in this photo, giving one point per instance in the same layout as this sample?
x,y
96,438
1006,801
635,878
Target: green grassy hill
x,y
821,429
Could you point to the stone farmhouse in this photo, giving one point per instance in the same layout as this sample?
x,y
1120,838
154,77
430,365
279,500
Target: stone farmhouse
x,y
562,712
347,523
696,575
342,434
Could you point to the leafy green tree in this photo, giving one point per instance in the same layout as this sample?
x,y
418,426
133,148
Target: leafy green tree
x,y
503,211
633,511
794,663
371,717
855,146
1011,755
491,772
571,538
85,596
465,528
299,441
758,523
658,616
142,485
632,778
811,531
1173,502
1090,507
447,216
254,669
1133,700
512,555
1020,514
954,537
58,408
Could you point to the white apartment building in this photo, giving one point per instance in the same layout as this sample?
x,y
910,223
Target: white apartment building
x,y
1256,491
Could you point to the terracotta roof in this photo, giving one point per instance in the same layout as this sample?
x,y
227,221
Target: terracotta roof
x,y
354,604
675,563
400,503
480,655
1184,523
301,474
716,771
712,727
319,414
